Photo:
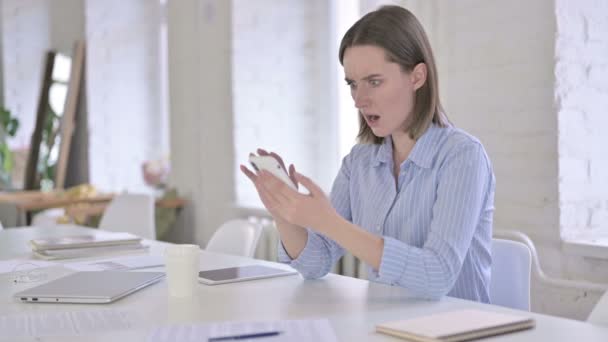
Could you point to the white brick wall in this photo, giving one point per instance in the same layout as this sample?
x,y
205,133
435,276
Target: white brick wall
x,y
124,86
581,90
24,33
499,66
279,85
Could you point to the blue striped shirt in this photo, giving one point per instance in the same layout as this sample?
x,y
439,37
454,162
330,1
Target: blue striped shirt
x,y
436,220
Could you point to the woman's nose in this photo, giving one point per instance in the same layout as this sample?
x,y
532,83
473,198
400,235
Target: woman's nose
x,y
361,98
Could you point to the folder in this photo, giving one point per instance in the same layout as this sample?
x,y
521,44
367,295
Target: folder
x,y
455,326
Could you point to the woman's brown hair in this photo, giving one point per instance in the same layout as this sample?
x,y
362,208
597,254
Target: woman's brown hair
x,y
400,34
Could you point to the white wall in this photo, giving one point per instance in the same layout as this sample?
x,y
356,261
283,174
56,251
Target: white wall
x,y
500,88
582,105
29,29
242,77
124,87
280,64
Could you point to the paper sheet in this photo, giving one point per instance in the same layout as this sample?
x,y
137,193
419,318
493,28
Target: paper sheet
x,y
23,265
64,323
117,263
291,330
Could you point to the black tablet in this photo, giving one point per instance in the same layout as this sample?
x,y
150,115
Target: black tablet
x,y
241,273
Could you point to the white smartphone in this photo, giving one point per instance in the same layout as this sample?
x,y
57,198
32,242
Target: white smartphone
x,y
273,166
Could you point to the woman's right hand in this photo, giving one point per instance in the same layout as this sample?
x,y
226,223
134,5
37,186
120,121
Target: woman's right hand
x,y
293,237
254,179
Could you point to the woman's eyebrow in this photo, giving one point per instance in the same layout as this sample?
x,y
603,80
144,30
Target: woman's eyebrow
x,y
369,77
366,78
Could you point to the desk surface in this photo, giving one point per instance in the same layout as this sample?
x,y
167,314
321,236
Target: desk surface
x,y
352,306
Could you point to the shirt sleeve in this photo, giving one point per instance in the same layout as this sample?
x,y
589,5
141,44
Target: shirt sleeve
x,y
431,271
320,252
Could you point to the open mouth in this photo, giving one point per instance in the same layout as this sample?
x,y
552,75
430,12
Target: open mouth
x,y
372,118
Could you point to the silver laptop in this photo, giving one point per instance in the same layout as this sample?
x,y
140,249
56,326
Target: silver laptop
x,y
89,287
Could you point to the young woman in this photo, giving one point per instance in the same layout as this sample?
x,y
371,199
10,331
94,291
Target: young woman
x,y
414,199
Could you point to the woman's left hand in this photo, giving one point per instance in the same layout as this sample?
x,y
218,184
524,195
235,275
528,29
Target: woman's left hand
x,y
313,210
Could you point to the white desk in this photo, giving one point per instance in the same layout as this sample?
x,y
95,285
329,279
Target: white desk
x,y
353,306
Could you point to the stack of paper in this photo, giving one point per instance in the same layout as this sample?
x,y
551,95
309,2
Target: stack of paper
x,y
79,246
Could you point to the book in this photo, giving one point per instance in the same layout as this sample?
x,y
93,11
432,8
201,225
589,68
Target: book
x,y
99,239
455,326
85,252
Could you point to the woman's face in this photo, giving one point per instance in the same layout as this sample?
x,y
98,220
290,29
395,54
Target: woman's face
x,y
383,93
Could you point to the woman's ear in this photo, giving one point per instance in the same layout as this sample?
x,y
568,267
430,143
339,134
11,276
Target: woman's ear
x,y
419,75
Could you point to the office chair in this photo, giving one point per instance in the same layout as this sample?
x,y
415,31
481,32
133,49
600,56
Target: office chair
x,y
510,282
47,217
599,314
132,213
237,237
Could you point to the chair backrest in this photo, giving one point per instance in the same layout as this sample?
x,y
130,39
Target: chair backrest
x,y
1,226
47,217
238,237
599,314
132,213
510,283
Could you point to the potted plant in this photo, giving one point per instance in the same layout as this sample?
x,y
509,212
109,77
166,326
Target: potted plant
x,y
8,128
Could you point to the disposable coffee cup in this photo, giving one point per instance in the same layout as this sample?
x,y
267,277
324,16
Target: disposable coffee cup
x,y
182,265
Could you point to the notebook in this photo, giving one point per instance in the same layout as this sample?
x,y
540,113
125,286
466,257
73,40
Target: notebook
x,y
454,326
99,239
85,252
89,287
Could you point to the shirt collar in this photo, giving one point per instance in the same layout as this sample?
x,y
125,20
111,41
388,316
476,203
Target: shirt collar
x,y
385,152
422,154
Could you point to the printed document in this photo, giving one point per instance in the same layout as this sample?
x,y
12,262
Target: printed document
x,y
288,331
64,323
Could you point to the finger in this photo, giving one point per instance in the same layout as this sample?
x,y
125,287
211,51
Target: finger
x,y
271,188
279,159
292,175
262,152
275,186
251,175
270,202
267,197
287,196
309,184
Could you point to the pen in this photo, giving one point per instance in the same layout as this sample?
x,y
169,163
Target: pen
x,y
244,336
